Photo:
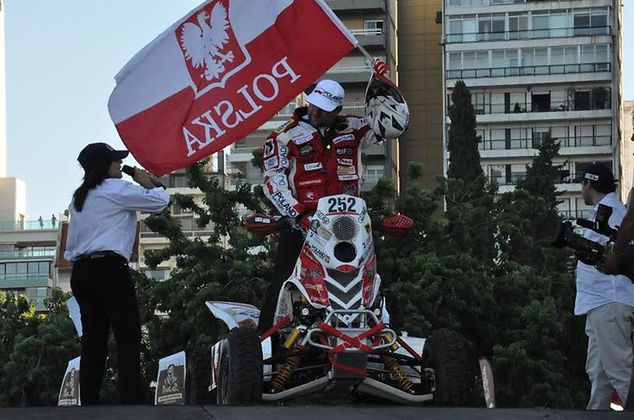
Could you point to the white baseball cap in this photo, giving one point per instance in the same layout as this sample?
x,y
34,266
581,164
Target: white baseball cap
x,y
327,95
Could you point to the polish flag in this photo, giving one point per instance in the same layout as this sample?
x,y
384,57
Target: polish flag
x,y
220,73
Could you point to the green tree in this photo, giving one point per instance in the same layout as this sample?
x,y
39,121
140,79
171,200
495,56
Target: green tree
x,y
42,346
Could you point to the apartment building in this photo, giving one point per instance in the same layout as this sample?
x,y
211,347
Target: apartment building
x,y
627,150
538,68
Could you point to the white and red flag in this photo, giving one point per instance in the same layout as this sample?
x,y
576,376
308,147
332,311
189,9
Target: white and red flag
x,y
220,73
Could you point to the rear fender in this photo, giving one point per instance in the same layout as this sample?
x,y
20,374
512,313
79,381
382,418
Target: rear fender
x,y
234,314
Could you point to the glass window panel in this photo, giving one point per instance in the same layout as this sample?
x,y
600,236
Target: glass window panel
x,y
11,268
469,30
482,58
541,56
468,60
528,58
601,52
497,28
1,269
455,31
44,267
556,55
581,24
571,55
21,268
32,267
587,54
540,26
558,25
497,58
598,23
455,61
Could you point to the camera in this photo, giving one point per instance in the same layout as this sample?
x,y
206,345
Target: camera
x,y
593,253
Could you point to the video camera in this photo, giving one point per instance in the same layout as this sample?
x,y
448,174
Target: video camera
x,y
593,253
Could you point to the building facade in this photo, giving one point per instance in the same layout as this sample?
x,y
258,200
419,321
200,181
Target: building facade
x,y
627,150
538,68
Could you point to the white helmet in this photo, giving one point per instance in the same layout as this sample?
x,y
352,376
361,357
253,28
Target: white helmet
x,y
386,110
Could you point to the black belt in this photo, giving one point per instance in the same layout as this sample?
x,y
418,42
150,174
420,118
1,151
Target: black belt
x,y
99,254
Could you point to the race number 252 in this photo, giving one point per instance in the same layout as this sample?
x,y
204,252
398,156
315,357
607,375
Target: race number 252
x,y
341,204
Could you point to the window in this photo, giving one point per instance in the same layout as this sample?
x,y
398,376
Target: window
x,y
540,102
582,100
469,30
44,267
373,26
178,180
11,268
558,25
455,30
375,172
540,26
581,24
599,23
21,268
518,27
539,135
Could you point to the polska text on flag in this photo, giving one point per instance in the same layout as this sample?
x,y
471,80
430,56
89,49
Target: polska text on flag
x,y
220,73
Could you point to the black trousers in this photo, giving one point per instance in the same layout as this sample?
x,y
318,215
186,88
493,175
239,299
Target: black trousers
x,y
288,249
104,290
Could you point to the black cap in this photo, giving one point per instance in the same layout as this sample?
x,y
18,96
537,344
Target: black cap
x,y
600,174
96,154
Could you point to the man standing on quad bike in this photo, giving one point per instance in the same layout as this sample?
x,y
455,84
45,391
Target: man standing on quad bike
x,y
318,153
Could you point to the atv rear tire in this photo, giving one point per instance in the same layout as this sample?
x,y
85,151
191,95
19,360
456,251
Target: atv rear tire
x,y
240,379
447,354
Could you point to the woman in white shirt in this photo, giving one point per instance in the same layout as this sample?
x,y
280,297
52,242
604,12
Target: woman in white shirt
x,y
101,235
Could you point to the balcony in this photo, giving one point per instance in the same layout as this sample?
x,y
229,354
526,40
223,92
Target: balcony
x,y
29,225
546,70
25,254
530,34
523,143
14,281
350,74
342,6
369,37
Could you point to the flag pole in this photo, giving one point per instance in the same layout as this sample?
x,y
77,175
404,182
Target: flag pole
x,y
365,52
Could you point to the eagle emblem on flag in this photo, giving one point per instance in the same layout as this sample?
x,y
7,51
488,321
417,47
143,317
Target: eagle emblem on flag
x,y
212,52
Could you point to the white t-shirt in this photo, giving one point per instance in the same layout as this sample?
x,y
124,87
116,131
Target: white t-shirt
x,y
593,287
108,219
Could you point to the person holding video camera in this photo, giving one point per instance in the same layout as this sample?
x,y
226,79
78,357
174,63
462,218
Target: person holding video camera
x,y
101,235
606,300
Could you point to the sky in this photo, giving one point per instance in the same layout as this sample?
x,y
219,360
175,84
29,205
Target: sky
x,y
61,59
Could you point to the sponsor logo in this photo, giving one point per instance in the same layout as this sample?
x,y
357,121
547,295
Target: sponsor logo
x,y
302,138
361,217
310,195
280,201
345,137
283,127
347,162
346,170
320,253
211,50
348,177
322,217
269,148
310,182
280,180
305,150
312,166
271,163
345,151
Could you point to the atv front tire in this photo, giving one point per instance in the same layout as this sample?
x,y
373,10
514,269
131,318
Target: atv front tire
x,y
448,358
240,379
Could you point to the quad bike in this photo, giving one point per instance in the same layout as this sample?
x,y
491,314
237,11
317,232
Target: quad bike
x,y
331,331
